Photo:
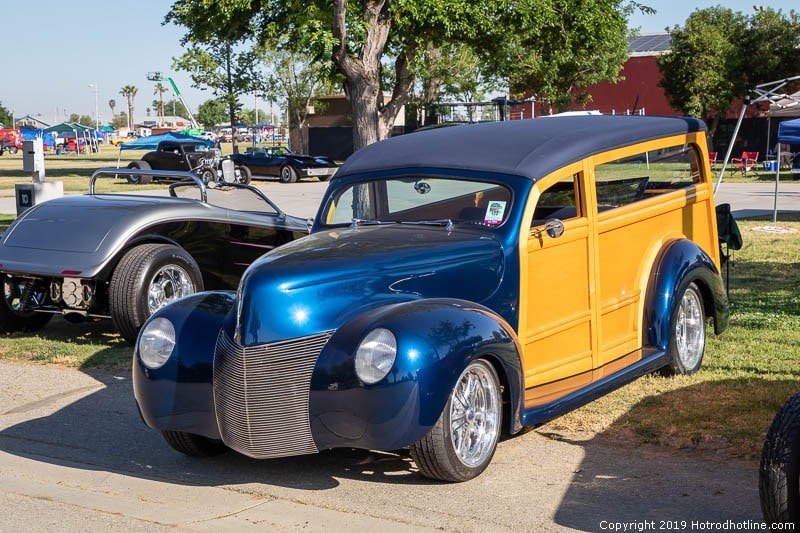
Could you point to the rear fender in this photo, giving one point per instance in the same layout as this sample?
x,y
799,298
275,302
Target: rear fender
x,y
679,263
436,340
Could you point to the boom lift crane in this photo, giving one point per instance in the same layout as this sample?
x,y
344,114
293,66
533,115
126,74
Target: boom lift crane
x,y
157,76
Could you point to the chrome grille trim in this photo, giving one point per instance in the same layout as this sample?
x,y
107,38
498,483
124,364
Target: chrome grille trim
x,y
261,395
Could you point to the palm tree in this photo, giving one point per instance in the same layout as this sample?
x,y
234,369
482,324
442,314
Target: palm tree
x,y
112,104
160,90
129,92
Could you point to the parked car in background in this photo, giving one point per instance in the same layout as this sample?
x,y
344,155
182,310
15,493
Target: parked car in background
x,y
10,141
123,256
458,284
116,141
284,164
183,155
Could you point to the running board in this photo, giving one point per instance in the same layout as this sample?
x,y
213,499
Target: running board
x,y
546,412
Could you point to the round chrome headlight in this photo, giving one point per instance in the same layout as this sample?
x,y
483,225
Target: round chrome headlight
x,y
156,342
375,355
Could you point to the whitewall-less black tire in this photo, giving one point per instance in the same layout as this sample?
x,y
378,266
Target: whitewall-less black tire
x,y
148,277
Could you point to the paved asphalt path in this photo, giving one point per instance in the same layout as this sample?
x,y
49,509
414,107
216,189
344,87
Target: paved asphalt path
x,y
75,456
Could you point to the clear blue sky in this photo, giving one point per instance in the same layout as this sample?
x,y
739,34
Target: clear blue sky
x,y
53,50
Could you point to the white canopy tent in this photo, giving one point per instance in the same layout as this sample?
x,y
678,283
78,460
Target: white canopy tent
x,y
765,92
786,107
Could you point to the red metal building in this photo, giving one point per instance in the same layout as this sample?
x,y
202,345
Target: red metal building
x,y
636,92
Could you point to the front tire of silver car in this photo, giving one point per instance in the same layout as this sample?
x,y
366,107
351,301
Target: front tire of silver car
x,y
194,445
147,278
462,442
687,334
288,174
13,317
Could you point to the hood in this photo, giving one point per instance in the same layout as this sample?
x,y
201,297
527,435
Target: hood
x,y
309,159
319,282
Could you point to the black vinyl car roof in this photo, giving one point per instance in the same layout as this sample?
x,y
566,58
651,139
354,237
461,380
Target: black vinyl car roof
x,y
531,148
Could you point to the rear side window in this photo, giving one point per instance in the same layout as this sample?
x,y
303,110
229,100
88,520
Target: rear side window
x,y
647,174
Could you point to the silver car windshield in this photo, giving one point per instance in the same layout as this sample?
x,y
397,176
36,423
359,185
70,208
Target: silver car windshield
x,y
420,199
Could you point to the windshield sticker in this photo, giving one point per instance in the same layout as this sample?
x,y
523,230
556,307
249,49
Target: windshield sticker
x,y
494,213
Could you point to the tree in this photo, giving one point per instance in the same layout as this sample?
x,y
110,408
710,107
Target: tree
x,y
172,108
113,105
83,120
360,37
556,50
296,79
160,89
211,113
769,46
719,56
225,66
6,117
129,92
451,73
120,121
700,72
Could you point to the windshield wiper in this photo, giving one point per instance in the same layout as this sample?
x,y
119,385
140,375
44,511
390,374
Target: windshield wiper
x,y
369,222
444,222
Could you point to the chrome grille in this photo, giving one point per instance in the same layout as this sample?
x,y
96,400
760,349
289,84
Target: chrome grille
x,y
261,395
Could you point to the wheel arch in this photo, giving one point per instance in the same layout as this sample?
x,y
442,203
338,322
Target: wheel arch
x,y
679,263
137,240
437,339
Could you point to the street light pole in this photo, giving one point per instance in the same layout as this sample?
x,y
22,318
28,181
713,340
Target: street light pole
x,y
96,109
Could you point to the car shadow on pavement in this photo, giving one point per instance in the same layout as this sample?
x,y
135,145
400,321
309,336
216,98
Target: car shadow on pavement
x,y
685,484
102,430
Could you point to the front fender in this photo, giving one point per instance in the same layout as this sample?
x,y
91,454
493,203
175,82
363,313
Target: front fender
x,y
179,395
436,340
679,263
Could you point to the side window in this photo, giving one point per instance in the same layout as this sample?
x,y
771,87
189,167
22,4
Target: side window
x,y
560,201
647,174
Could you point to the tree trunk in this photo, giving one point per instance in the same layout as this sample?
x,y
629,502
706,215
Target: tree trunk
x,y
363,96
431,86
298,134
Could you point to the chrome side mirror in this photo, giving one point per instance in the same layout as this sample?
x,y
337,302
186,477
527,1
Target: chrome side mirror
x,y
554,228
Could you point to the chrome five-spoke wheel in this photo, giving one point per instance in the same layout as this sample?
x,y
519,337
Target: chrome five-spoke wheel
x,y
462,442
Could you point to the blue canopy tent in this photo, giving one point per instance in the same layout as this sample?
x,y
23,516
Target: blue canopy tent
x,y
788,133
151,142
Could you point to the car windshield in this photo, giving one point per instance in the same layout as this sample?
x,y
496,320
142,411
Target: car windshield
x,y
420,199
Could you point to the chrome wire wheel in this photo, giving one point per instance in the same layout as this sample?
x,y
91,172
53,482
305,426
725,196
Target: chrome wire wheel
x,y
169,283
690,329
462,442
475,414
